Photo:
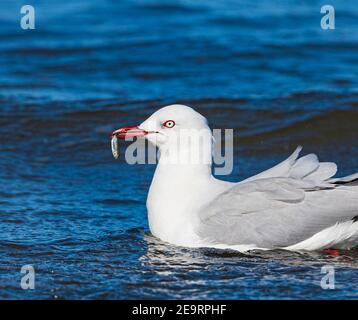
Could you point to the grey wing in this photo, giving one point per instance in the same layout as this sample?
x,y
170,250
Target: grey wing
x,y
279,211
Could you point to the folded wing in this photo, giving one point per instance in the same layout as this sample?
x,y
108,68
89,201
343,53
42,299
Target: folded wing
x,y
281,206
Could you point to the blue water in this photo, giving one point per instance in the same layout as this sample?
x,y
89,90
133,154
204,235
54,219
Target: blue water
x,y
264,68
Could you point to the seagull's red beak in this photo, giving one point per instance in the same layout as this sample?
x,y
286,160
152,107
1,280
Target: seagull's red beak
x,y
130,132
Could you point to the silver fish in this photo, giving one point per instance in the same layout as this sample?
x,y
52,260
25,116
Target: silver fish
x,y
115,147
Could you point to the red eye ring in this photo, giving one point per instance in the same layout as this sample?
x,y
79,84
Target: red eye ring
x,y
169,124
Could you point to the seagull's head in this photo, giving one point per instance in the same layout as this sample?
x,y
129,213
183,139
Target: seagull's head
x,y
166,125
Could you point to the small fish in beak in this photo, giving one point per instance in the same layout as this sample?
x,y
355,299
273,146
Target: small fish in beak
x,y
121,133
115,147
124,133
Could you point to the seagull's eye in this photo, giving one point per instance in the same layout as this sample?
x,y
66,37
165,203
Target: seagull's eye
x,y
169,124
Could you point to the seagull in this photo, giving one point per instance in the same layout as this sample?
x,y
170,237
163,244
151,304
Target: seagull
x,y
295,205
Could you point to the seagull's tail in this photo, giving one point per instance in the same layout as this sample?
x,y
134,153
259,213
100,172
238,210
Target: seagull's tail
x,y
351,180
342,235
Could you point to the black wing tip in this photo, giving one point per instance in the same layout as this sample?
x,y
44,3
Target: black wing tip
x,y
355,219
353,182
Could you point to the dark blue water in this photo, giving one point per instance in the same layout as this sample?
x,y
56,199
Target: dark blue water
x,y
264,68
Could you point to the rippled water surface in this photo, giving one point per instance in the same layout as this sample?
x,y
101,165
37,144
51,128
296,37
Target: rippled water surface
x,y
264,68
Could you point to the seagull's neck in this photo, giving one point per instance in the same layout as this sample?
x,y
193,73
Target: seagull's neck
x,y
182,170
177,192
184,163
185,159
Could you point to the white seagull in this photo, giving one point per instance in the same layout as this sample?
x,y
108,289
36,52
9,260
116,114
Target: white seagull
x,y
295,205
